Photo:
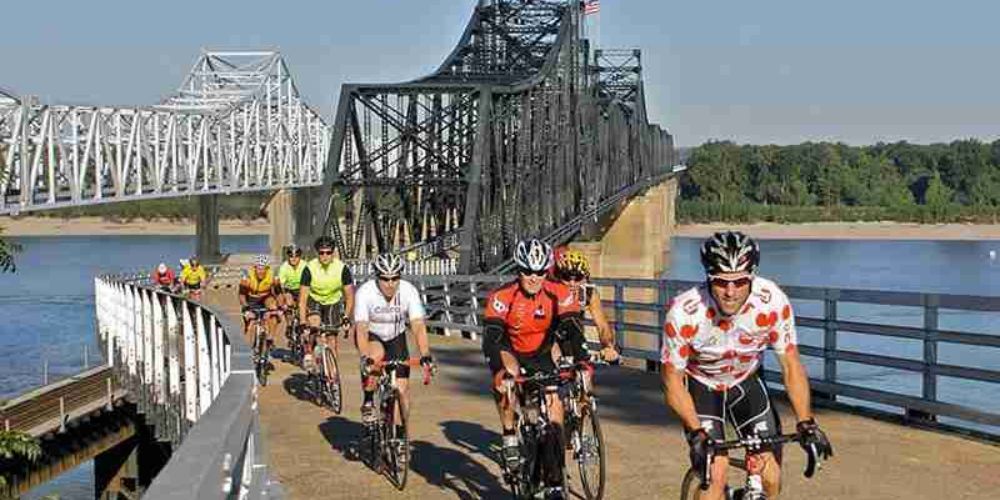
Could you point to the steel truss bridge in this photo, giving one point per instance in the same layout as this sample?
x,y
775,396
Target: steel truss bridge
x,y
237,123
521,131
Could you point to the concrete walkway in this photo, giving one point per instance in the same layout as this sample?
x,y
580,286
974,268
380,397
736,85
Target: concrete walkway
x,y
454,436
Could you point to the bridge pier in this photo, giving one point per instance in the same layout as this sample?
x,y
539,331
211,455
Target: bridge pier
x,y
290,214
634,242
207,242
128,468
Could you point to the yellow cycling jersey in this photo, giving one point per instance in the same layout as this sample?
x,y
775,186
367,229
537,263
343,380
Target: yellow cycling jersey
x,y
193,275
258,287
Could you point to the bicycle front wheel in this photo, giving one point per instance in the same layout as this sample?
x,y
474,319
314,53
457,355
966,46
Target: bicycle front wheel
x,y
589,453
397,443
332,388
260,364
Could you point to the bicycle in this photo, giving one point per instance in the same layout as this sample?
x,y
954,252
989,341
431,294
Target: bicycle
x,y
325,378
388,448
583,427
534,430
753,488
261,347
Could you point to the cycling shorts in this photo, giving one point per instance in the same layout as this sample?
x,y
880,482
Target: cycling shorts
x,y
531,363
329,314
746,406
395,350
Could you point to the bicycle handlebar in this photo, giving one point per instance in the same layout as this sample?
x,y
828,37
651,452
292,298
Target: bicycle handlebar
x,y
411,362
756,442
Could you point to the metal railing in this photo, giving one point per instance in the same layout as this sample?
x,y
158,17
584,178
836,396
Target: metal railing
x,y
638,311
191,375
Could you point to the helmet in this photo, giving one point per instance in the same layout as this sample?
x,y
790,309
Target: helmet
x,y
572,262
262,261
533,255
162,268
388,264
730,252
293,249
323,242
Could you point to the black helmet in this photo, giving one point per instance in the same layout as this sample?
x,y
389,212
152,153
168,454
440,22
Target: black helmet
x,y
324,242
293,249
730,252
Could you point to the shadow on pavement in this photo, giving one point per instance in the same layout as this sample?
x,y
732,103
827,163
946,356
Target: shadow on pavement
x,y
455,471
472,437
297,385
344,436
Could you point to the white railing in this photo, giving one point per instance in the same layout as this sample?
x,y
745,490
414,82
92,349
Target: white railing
x,y
191,375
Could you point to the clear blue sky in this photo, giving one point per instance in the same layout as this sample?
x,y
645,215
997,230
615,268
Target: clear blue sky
x,y
778,71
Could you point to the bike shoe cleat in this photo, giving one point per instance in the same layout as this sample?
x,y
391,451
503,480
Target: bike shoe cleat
x,y
555,493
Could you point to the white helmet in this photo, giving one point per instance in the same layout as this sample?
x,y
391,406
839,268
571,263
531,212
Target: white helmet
x,y
388,265
162,268
533,255
262,260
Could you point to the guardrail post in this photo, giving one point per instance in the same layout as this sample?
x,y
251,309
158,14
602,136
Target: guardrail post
x,y
829,341
619,315
931,302
662,297
447,310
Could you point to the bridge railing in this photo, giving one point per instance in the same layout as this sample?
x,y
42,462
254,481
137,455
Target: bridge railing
x,y
887,379
190,373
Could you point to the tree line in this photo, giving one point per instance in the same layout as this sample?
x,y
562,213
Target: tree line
x,y
816,181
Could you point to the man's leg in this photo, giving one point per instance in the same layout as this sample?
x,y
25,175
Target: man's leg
x,y
710,408
752,414
368,380
272,321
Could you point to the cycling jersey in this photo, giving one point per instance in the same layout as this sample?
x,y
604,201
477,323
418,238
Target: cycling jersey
x,y
193,276
290,277
527,320
257,287
326,283
164,279
722,351
387,319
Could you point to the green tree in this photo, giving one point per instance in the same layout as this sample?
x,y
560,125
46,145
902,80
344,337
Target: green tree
x,y
19,446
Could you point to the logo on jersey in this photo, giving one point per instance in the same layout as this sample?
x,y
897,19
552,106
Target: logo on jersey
x,y
540,312
498,305
690,306
568,301
760,427
764,295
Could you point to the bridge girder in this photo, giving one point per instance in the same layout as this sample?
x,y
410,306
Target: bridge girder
x,y
516,134
236,124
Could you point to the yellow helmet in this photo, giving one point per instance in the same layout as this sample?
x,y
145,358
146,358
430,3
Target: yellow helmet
x,y
572,262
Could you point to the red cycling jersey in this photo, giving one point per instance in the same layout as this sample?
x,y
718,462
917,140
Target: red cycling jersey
x,y
527,319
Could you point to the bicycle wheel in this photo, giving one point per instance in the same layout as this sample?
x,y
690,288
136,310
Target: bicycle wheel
x,y
590,456
396,444
331,381
260,365
690,486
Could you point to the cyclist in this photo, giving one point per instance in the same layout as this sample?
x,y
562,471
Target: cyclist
x,y
326,292
573,270
163,277
382,308
193,277
290,277
259,290
715,335
524,321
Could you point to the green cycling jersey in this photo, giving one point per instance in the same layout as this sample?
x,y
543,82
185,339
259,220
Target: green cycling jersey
x,y
291,277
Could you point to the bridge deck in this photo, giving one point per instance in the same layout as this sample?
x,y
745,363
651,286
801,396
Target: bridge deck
x,y
454,435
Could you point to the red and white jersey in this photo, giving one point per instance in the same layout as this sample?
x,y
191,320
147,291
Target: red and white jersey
x,y
721,351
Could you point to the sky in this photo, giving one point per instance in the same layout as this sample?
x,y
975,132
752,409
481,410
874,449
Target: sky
x,y
775,71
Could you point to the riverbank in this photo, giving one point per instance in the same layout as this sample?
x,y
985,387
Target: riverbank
x,y
849,231
98,226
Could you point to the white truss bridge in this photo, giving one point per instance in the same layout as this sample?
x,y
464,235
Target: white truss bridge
x,y
236,124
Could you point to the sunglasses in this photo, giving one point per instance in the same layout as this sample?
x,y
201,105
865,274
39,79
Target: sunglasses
x,y
325,252
723,283
388,280
529,272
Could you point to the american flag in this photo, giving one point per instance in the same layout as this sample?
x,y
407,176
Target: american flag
x,y
591,7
